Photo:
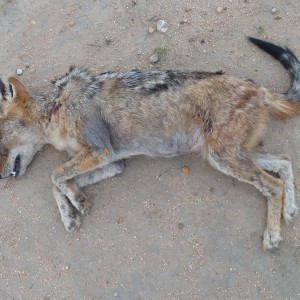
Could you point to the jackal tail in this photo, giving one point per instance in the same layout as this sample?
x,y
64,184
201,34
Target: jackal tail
x,y
290,62
282,107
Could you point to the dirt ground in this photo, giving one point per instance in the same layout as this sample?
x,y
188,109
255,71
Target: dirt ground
x,y
153,232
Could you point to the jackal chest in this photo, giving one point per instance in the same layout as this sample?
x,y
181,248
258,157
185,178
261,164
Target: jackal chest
x,y
62,139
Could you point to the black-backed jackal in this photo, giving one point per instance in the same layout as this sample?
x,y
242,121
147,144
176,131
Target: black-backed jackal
x,y
105,118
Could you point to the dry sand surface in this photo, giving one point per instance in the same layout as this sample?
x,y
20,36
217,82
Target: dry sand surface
x,y
155,232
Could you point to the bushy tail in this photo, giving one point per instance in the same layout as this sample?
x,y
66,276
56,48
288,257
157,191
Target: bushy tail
x,y
282,107
288,60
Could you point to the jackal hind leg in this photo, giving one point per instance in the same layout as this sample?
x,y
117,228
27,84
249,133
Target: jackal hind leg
x,y
241,167
282,166
84,163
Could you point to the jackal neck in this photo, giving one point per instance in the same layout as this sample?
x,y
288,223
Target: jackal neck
x,y
41,109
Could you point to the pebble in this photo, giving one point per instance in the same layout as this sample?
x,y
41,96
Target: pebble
x,y
180,226
220,9
154,58
161,26
184,21
274,10
185,170
151,18
151,29
19,71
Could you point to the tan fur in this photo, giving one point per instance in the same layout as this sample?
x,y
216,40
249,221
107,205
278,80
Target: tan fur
x,y
101,121
281,108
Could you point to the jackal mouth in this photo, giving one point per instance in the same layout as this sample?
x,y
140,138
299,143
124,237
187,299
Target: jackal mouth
x,y
17,166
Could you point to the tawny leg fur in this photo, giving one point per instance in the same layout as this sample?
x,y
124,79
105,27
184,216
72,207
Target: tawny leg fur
x,y
100,174
67,211
282,165
86,162
242,167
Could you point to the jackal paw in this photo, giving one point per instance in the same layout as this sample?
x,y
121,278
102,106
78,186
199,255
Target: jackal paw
x,y
271,239
71,222
84,207
289,212
120,165
81,203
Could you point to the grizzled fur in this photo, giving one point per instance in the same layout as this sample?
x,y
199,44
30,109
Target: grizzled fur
x,y
102,119
288,60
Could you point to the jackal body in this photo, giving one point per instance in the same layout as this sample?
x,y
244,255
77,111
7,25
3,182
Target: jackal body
x,y
105,118
160,113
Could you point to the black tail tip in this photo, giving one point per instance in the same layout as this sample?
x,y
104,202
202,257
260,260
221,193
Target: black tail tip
x,y
276,51
251,39
262,44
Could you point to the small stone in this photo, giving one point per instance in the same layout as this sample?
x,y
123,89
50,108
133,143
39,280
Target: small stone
x,y
185,170
192,39
151,29
154,58
72,23
274,10
33,22
161,26
184,21
151,18
180,226
27,65
19,71
108,41
220,9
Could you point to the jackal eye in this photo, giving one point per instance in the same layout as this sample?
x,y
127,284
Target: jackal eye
x,y
2,90
11,90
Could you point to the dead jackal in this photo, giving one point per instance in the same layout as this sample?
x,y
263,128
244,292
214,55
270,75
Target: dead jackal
x,y
105,118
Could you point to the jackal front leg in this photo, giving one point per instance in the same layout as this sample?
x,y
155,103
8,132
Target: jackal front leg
x,y
67,211
63,178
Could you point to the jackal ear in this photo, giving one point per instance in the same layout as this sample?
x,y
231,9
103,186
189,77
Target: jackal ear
x,y
6,89
12,91
18,89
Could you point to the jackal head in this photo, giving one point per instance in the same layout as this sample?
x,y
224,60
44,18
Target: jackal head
x,y
20,135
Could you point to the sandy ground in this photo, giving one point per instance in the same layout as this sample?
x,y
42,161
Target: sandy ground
x,y
153,232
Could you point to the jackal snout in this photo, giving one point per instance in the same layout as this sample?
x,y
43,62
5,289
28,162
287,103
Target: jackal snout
x,y
20,136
